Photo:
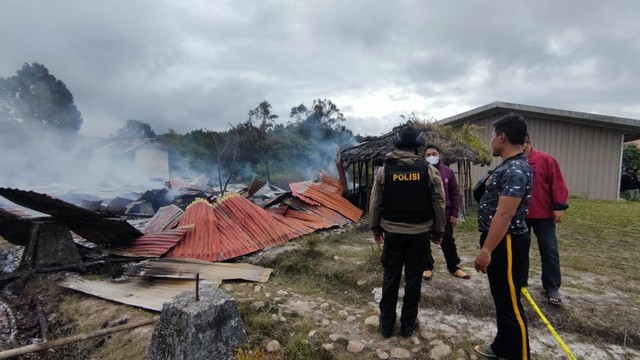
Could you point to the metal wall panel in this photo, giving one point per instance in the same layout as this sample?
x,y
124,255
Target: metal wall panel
x,y
589,156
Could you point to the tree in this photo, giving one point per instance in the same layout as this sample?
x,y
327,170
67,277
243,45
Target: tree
x,y
323,113
35,97
134,129
631,157
257,144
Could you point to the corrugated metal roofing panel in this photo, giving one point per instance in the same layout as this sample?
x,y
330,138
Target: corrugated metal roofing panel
x,y
327,191
94,227
166,217
230,228
147,293
155,244
110,232
188,268
48,204
298,189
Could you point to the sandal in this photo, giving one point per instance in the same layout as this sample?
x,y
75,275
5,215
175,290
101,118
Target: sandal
x,y
554,297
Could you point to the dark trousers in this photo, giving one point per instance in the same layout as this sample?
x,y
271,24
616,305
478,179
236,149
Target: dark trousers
x,y
449,250
402,250
504,271
545,231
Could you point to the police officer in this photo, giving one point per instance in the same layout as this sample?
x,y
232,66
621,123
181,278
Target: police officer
x,y
406,211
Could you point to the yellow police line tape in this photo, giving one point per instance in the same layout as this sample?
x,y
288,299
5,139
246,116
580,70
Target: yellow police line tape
x,y
546,322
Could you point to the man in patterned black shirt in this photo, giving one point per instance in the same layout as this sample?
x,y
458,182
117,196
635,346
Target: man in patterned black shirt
x,y
504,238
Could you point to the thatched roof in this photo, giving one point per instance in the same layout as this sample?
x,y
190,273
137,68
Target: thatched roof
x,y
453,147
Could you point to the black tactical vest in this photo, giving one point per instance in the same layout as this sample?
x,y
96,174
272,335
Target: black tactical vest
x,y
407,193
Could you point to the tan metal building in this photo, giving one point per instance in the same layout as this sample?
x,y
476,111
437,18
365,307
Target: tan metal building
x,y
588,147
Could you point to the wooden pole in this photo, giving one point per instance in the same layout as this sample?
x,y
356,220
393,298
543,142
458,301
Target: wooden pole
x,y
71,339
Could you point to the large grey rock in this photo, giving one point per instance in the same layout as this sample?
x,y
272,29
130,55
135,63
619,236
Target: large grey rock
x,y
192,330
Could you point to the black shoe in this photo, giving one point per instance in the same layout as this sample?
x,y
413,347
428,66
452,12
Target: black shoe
x,y
385,333
408,331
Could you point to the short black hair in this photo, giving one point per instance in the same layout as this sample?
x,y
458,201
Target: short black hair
x,y
433,146
512,125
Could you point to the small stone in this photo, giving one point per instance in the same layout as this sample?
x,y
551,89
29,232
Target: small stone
x,y
338,338
382,354
428,335
273,346
257,288
283,319
436,342
312,333
336,257
277,299
325,306
351,318
274,317
361,282
400,353
328,347
267,294
257,305
355,346
373,320
343,313
227,287
282,293
325,322
440,352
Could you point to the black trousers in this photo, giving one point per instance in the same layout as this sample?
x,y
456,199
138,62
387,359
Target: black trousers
x,y
545,231
508,262
449,250
402,250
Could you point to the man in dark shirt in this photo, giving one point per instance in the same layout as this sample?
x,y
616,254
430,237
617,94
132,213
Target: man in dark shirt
x,y
406,211
630,186
504,238
452,207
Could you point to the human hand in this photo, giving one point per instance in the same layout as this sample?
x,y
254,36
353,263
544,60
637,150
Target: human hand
x,y
558,216
436,239
453,220
482,261
379,238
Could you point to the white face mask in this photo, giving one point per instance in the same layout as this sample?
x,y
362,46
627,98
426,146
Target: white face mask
x,y
433,160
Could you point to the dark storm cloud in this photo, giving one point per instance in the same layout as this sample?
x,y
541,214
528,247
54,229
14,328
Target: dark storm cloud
x,y
205,64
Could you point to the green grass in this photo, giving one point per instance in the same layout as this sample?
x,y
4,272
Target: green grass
x,y
599,243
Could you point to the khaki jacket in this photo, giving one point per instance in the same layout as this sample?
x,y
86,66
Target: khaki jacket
x,y
378,224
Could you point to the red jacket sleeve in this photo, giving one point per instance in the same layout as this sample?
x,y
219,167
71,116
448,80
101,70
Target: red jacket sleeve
x,y
559,191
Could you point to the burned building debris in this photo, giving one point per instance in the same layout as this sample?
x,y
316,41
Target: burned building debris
x,y
187,226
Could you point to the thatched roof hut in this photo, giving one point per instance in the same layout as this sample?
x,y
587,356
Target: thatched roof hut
x,y
461,148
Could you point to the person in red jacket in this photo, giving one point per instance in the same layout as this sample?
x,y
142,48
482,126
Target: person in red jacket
x,y
452,201
549,196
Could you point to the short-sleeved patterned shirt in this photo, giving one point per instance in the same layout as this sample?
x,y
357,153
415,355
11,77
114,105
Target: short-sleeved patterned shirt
x,y
511,178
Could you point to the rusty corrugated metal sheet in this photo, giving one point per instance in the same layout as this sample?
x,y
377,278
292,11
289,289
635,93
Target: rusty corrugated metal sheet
x,y
298,189
165,218
327,191
153,245
230,228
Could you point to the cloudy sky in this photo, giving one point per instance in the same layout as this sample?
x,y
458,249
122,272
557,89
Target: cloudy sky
x,y
187,65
